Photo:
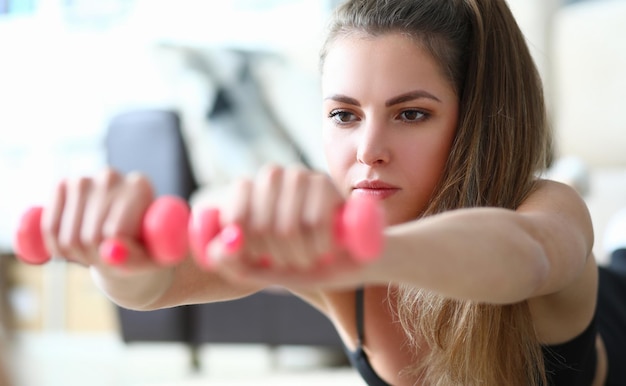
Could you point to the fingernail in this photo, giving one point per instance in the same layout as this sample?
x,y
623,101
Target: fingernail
x,y
265,261
213,256
326,259
113,252
232,237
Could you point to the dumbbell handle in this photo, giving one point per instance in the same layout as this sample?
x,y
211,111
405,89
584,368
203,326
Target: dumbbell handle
x,y
164,232
358,228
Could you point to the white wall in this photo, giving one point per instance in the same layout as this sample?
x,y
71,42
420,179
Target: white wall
x,y
65,72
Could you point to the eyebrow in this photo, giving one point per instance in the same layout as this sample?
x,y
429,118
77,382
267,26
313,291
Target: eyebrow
x,y
343,99
410,96
406,97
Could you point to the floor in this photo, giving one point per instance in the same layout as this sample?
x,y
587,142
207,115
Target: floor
x,y
102,359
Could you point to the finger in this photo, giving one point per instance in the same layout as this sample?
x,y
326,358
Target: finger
x,y
51,219
235,216
238,209
70,244
97,208
125,254
266,191
323,203
218,252
125,215
293,241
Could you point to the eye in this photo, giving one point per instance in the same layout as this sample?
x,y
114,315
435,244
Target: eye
x,y
342,117
413,115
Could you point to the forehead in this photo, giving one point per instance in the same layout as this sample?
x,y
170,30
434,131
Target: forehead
x,y
390,63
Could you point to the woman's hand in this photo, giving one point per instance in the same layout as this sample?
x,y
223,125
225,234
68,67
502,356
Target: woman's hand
x,y
287,217
85,212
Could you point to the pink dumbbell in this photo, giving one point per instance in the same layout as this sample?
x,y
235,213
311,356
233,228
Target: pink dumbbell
x,y
164,231
358,228
168,231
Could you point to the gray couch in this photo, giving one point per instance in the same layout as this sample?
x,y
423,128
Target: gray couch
x,y
150,141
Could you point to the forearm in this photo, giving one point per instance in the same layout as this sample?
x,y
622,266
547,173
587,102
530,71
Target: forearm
x,y
486,255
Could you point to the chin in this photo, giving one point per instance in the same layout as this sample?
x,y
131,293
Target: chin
x,y
398,213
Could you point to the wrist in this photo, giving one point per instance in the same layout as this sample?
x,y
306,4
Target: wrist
x,y
137,290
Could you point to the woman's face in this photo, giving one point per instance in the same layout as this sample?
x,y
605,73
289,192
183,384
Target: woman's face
x,y
390,117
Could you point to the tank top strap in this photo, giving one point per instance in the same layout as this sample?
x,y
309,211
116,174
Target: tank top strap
x,y
359,308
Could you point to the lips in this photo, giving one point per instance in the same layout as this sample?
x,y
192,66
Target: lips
x,y
374,188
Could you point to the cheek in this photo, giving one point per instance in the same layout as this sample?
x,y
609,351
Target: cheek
x,y
438,155
424,172
425,166
436,150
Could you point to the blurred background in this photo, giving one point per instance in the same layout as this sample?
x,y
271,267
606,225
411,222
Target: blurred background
x,y
193,93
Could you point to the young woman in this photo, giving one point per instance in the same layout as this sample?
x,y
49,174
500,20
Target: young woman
x,y
487,276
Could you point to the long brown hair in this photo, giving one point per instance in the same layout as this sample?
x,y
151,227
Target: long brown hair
x,y
502,141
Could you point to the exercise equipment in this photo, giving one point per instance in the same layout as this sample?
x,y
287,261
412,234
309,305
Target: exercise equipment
x,y
358,228
170,230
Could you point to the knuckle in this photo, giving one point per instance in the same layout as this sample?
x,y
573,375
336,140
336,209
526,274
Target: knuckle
x,y
109,178
270,171
269,177
259,231
287,231
90,238
48,224
67,244
62,186
314,221
298,176
243,183
139,184
111,230
80,185
305,264
241,188
298,171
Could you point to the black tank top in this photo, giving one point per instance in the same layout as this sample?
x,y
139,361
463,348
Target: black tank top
x,y
572,363
358,358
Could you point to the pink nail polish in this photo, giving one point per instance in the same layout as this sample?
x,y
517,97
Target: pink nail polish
x,y
265,261
326,259
114,252
232,237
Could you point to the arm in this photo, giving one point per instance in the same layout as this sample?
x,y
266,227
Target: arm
x,y
86,211
166,287
493,255
483,254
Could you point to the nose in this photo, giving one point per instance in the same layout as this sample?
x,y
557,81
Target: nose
x,y
373,147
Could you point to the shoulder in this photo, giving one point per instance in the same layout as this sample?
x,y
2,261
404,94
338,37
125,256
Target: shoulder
x,y
565,311
558,218
550,191
559,205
